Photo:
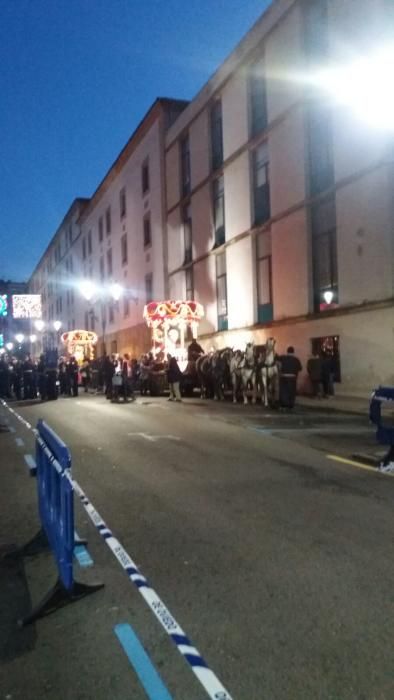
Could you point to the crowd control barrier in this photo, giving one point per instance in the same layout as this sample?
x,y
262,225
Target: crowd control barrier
x,y
56,510
384,395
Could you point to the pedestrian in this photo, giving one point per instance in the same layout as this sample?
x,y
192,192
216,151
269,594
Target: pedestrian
x,y
42,378
174,376
72,371
314,369
108,373
327,375
85,374
194,351
290,368
144,375
28,384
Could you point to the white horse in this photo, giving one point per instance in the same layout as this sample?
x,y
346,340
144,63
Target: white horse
x,y
270,370
243,372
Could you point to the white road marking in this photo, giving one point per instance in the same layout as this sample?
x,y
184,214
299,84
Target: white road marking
x,y
154,438
19,442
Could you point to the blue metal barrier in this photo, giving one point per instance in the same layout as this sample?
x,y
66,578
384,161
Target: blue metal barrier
x,y
55,499
384,432
56,509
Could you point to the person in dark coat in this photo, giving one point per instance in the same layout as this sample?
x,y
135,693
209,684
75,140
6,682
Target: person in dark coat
x,y
108,372
290,368
194,351
72,371
28,383
314,369
42,378
327,375
174,376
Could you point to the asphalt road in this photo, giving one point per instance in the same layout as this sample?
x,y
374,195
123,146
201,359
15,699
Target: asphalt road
x,y
275,560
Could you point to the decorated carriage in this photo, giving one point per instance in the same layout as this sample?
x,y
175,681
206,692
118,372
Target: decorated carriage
x,y
173,324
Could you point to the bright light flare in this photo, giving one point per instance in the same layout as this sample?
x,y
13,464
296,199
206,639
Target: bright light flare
x,y
19,338
88,289
9,346
57,325
365,86
33,338
40,325
116,291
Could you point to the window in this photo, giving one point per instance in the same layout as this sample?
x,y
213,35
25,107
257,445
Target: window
x,y
145,177
187,232
261,184
123,249
264,278
122,203
216,135
189,284
148,288
147,231
126,305
324,253
258,97
221,291
321,164
108,220
185,166
218,211
102,270
83,249
109,262
316,30
100,229
89,242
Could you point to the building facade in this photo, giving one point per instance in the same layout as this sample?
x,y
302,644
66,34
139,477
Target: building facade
x,y
261,199
280,206
117,237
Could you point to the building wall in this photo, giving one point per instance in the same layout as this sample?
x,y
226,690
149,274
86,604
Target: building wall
x,y
361,188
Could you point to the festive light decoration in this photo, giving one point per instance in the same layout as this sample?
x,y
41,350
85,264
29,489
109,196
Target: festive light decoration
x,y
26,306
79,343
1,340
3,304
169,321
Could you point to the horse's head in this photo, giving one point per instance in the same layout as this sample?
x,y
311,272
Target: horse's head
x,y
270,346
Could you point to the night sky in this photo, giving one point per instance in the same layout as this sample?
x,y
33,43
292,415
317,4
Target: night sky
x,y
76,77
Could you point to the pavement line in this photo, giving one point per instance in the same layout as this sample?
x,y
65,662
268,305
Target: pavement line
x,y
300,429
139,659
359,465
207,678
19,442
31,463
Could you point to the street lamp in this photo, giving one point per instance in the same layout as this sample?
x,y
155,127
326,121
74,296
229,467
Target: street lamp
x,y
116,291
364,85
88,289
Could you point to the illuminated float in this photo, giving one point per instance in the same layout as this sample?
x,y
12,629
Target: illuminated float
x,y
169,321
80,344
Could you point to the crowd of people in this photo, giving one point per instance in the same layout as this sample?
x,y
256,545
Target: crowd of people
x,y
119,377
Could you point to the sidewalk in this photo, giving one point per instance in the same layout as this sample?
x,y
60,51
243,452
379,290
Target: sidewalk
x,y
340,404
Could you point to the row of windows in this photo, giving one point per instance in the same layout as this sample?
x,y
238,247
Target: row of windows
x,y
87,247
261,202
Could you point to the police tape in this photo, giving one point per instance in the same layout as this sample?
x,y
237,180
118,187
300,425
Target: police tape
x,y
207,678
